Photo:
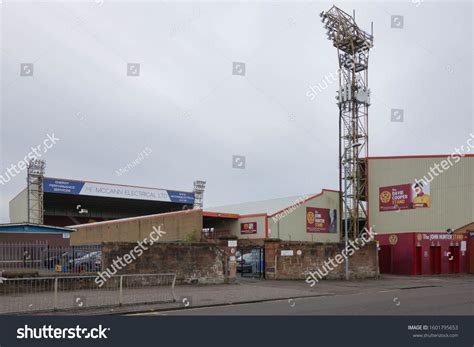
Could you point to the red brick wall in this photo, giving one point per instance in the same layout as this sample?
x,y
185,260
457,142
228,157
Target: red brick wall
x,y
192,262
207,263
362,264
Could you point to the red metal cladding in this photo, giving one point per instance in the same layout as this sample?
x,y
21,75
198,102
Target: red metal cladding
x,y
424,253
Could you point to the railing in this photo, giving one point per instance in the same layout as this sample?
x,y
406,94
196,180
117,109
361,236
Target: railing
x,y
43,294
214,234
42,257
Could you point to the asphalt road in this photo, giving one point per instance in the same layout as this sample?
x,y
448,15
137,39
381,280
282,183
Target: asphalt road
x,y
451,299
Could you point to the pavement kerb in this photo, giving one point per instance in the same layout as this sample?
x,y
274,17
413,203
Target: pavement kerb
x,y
222,304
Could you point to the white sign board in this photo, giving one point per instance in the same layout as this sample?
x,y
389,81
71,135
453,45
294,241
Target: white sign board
x,y
286,253
66,235
114,191
463,246
232,243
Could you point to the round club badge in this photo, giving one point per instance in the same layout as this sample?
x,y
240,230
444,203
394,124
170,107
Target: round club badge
x,y
385,196
393,239
310,217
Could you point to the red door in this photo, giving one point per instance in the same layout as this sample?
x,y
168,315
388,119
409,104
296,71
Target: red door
x,y
419,261
385,259
438,260
453,258
471,253
435,260
432,260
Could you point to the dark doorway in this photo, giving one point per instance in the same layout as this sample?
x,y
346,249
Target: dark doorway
x,y
471,252
385,259
419,261
251,262
453,257
435,260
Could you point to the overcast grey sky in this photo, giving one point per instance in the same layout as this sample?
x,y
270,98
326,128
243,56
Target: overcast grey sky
x,y
194,114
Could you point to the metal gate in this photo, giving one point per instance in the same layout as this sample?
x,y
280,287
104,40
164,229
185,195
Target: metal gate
x,y
251,262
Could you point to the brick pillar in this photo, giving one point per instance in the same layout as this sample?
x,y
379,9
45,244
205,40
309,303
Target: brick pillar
x,y
271,250
230,263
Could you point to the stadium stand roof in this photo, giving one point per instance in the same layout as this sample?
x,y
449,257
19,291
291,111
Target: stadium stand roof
x,y
270,206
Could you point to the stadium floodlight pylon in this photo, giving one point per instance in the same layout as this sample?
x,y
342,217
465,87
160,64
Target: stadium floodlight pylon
x,y
199,187
35,175
353,99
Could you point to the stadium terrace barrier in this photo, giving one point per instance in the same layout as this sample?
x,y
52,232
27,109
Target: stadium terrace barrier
x,y
42,257
208,234
44,294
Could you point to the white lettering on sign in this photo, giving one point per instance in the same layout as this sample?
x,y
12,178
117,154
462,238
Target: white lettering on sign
x,y
398,195
109,190
437,237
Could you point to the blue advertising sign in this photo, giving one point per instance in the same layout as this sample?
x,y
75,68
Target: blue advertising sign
x,y
183,197
52,185
60,186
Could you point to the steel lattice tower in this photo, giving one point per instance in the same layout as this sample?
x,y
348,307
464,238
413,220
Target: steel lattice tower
x,y
199,187
353,46
36,168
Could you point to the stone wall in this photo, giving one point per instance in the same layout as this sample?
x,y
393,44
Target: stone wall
x,y
201,263
309,257
215,263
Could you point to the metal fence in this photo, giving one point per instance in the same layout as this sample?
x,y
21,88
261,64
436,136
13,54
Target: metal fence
x,y
43,294
214,234
43,257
